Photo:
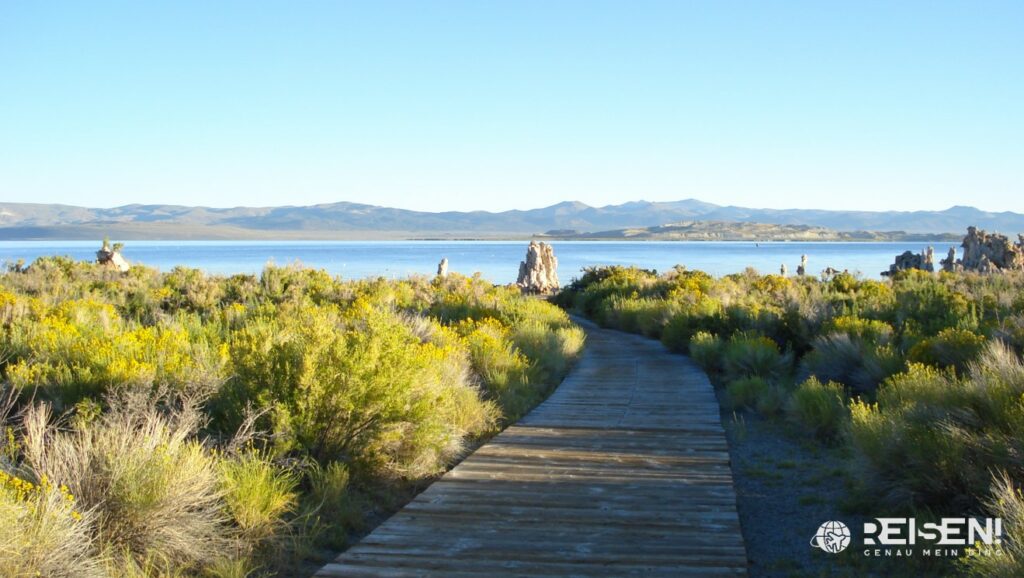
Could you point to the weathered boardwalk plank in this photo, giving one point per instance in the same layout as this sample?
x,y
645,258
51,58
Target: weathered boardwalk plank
x,y
623,471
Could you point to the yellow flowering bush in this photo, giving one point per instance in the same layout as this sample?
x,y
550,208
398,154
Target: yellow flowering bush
x,y
80,350
43,533
382,381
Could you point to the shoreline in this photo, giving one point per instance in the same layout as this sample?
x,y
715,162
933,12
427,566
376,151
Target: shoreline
x,y
482,239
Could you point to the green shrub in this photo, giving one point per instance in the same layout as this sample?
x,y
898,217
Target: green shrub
x,y
931,306
361,387
820,408
853,361
696,314
259,495
632,314
188,289
504,371
746,391
928,423
753,356
590,292
551,351
765,319
138,496
678,332
870,330
772,401
652,319
706,350
950,348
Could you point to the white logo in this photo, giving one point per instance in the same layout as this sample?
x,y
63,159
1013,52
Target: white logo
x,y
945,532
832,537
904,537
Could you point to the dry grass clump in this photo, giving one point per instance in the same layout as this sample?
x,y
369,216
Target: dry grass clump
x,y
1005,560
152,488
43,532
134,492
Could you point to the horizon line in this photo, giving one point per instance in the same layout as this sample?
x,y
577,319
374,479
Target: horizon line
x,y
495,212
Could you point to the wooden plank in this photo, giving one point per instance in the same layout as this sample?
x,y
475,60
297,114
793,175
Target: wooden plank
x,y
624,470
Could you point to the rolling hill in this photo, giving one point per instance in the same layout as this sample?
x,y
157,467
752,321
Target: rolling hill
x,y
346,220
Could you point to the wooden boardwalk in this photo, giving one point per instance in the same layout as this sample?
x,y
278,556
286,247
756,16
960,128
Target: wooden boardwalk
x,y
623,471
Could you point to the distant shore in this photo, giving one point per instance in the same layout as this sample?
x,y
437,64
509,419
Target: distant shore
x,y
753,232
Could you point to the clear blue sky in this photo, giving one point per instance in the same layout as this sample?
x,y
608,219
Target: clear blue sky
x,y
497,105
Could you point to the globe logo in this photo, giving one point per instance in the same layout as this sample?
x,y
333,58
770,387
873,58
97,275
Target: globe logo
x,y
832,537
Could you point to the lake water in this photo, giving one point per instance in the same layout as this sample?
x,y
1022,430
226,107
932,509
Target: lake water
x,y
498,261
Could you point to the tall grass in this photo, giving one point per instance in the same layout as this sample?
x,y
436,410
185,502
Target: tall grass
x,y
152,488
135,492
857,362
43,531
1004,560
259,496
332,509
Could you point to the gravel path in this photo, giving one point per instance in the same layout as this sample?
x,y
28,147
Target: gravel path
x,y
786,487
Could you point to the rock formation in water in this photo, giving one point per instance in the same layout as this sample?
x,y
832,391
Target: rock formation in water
x,y
802,269
949,264
783,270
924,261
988,253
539,272
983,253
111,258
442,267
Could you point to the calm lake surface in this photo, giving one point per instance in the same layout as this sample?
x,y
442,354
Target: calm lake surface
x,y
497,261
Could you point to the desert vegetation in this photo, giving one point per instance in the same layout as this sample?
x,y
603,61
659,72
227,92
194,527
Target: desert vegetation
x,y
919,376
183,424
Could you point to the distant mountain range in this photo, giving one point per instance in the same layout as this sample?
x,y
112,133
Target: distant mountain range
x,y
359,221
